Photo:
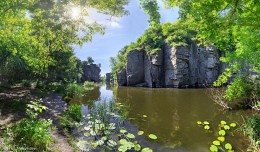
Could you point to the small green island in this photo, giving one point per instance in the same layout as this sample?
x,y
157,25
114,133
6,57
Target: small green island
x,y
121,75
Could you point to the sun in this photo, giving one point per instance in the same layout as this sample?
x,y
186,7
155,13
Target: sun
x,y
75,12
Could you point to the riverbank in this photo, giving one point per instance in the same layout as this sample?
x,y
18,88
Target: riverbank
x,y
13,104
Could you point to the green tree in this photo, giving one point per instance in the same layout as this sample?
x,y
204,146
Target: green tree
x,y
152,9
39,35
90,60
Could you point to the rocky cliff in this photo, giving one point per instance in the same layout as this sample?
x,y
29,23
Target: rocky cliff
x,y
90,73
182,66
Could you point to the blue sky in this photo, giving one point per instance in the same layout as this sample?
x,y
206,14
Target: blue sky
x,y
119,32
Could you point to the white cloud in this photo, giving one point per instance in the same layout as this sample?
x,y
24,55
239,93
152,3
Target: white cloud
x,y
114,24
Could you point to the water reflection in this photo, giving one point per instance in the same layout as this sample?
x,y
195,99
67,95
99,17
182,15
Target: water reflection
x,y
172,116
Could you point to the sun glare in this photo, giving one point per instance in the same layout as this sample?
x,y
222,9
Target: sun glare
x,y
75,12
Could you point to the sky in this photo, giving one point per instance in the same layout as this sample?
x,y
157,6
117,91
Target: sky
x,y
119,33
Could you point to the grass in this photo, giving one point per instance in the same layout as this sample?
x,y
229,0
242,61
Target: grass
x,y
251,128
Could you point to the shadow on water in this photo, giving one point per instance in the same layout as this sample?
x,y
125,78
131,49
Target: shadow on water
x,y
172,115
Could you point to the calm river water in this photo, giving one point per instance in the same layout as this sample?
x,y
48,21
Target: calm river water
x,y
172,115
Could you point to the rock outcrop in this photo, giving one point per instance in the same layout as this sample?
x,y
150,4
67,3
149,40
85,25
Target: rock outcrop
x,y
108,78
182,66
121,78
91,73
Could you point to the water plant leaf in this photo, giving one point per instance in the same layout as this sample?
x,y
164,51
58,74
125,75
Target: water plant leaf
x,y
233,125
129,135
152,136
222,122
87,128
112,126
111,143
228,146
226,127
123,131
216,142
199,122
147,150
123,141
144,116
87,134
137,147
140,132
100,142
206,127
222,139
222,133
122,148
213,148
206,123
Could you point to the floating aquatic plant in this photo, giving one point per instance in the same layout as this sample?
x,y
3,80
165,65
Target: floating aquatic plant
x,y
222,133
152,136
222,139
206,127
144,116
147,150
216,142
140,132
213,148
228,146
233,125
199,122
226,127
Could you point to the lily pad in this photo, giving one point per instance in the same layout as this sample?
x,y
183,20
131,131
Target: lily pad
x,y
228,146
122,148
222,139
144,116
213,148
222,133
206,127
87,134
223,122
137,147
152,136
233,125
129,135
111,143
226,127
140,132
216,142
199,122
147,150
206,123
123,131
123,141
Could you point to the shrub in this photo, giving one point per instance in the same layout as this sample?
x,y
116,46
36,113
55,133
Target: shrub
x,y
33,133
71,115
88,85
73,89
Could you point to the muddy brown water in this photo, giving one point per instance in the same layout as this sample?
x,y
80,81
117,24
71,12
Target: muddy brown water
x,y
172,115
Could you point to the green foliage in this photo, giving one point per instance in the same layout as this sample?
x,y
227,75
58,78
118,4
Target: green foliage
x,y
152,9
33,133
72,114
74,89
233,26
36,37
253,127
88,85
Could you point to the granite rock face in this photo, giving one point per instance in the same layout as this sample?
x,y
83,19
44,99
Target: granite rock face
x,y
135,67
182,66
191,66
108,78
91,73
121,78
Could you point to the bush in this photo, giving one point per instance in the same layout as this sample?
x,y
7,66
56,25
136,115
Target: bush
x,y
71,115
33,133
88,85
73,89
253,125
